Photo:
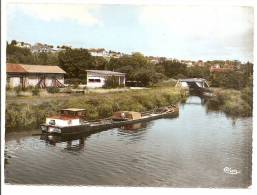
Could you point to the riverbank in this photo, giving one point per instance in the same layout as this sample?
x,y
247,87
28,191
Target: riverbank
x,y
122,157
234,103
20,115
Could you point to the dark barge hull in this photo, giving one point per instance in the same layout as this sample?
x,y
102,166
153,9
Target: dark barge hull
x,y
86,128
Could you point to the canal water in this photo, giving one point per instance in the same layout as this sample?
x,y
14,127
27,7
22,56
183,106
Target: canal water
x,y
197,149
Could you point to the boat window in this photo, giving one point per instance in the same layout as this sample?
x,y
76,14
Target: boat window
x,y
94,80
52,122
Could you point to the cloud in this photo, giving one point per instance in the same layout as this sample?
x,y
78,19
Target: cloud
x,y
81,14
199,20
194,28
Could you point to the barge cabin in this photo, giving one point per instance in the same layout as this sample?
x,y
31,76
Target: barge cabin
x,y
66,118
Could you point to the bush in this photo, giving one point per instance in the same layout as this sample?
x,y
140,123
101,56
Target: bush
x,y
112,82
35,91
73,81
232,102
166,83
53,90
20,116
18,90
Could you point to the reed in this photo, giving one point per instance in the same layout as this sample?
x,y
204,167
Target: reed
x,y
233,102
29,116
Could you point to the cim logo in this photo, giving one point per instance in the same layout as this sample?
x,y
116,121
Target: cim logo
x,y
231,171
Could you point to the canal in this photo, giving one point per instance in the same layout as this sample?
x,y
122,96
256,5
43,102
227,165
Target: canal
x,y
197,149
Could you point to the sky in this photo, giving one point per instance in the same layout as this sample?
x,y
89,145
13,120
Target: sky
x,y
181,32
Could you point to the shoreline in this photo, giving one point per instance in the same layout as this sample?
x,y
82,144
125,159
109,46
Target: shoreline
x,y
28,112
98,105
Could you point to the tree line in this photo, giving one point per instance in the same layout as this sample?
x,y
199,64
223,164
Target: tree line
x,y
137,67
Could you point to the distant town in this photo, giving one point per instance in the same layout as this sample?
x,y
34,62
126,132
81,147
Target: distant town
x,y
214,66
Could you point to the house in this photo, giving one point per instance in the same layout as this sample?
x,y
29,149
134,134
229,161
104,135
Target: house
x,y
217,68
187,62
23,45
199,63
97,78
98,52
34,75
39,47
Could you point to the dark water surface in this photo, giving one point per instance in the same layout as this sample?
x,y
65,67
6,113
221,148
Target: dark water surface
x,y
189,151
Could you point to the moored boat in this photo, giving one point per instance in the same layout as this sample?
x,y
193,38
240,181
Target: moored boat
x,y
73,120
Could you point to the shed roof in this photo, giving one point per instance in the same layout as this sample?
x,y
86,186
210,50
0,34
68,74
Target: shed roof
x,y
106,72
24,68
17,68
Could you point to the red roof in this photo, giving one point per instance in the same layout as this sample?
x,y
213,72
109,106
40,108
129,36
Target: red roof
x,y
221,69
15,68
24,68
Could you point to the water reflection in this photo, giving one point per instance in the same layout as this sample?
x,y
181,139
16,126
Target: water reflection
x,y
73,142
131,128
76,142
189,151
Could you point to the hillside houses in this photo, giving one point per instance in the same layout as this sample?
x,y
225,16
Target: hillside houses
x,y
39,47
101,52
225,66
189,63
98,52
23,45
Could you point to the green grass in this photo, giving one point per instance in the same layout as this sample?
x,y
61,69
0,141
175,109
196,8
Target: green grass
x,y
232,102
28,116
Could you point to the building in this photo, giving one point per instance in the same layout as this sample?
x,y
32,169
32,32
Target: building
x,y
188,63
34,75
39,48
97,78
101,52
98,52
23,45
199,63
217,68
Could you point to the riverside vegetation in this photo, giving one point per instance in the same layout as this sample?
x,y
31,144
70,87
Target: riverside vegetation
x,y
29,116
233,102
233,92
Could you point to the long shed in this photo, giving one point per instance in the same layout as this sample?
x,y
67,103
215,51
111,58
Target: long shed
x,y
41,76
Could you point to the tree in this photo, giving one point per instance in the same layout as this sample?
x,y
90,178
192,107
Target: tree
x,y
198,72
13,42
99,63
16,54
112,82
75,62
235,80
172,68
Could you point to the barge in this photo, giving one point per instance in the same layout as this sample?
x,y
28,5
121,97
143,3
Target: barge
x,y
73,120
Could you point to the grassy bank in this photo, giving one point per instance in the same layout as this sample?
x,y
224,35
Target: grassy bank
x,y
232,102
28,116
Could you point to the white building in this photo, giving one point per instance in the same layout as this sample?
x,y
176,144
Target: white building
x,y
23,45
98,52
39,47
97,78
34,75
